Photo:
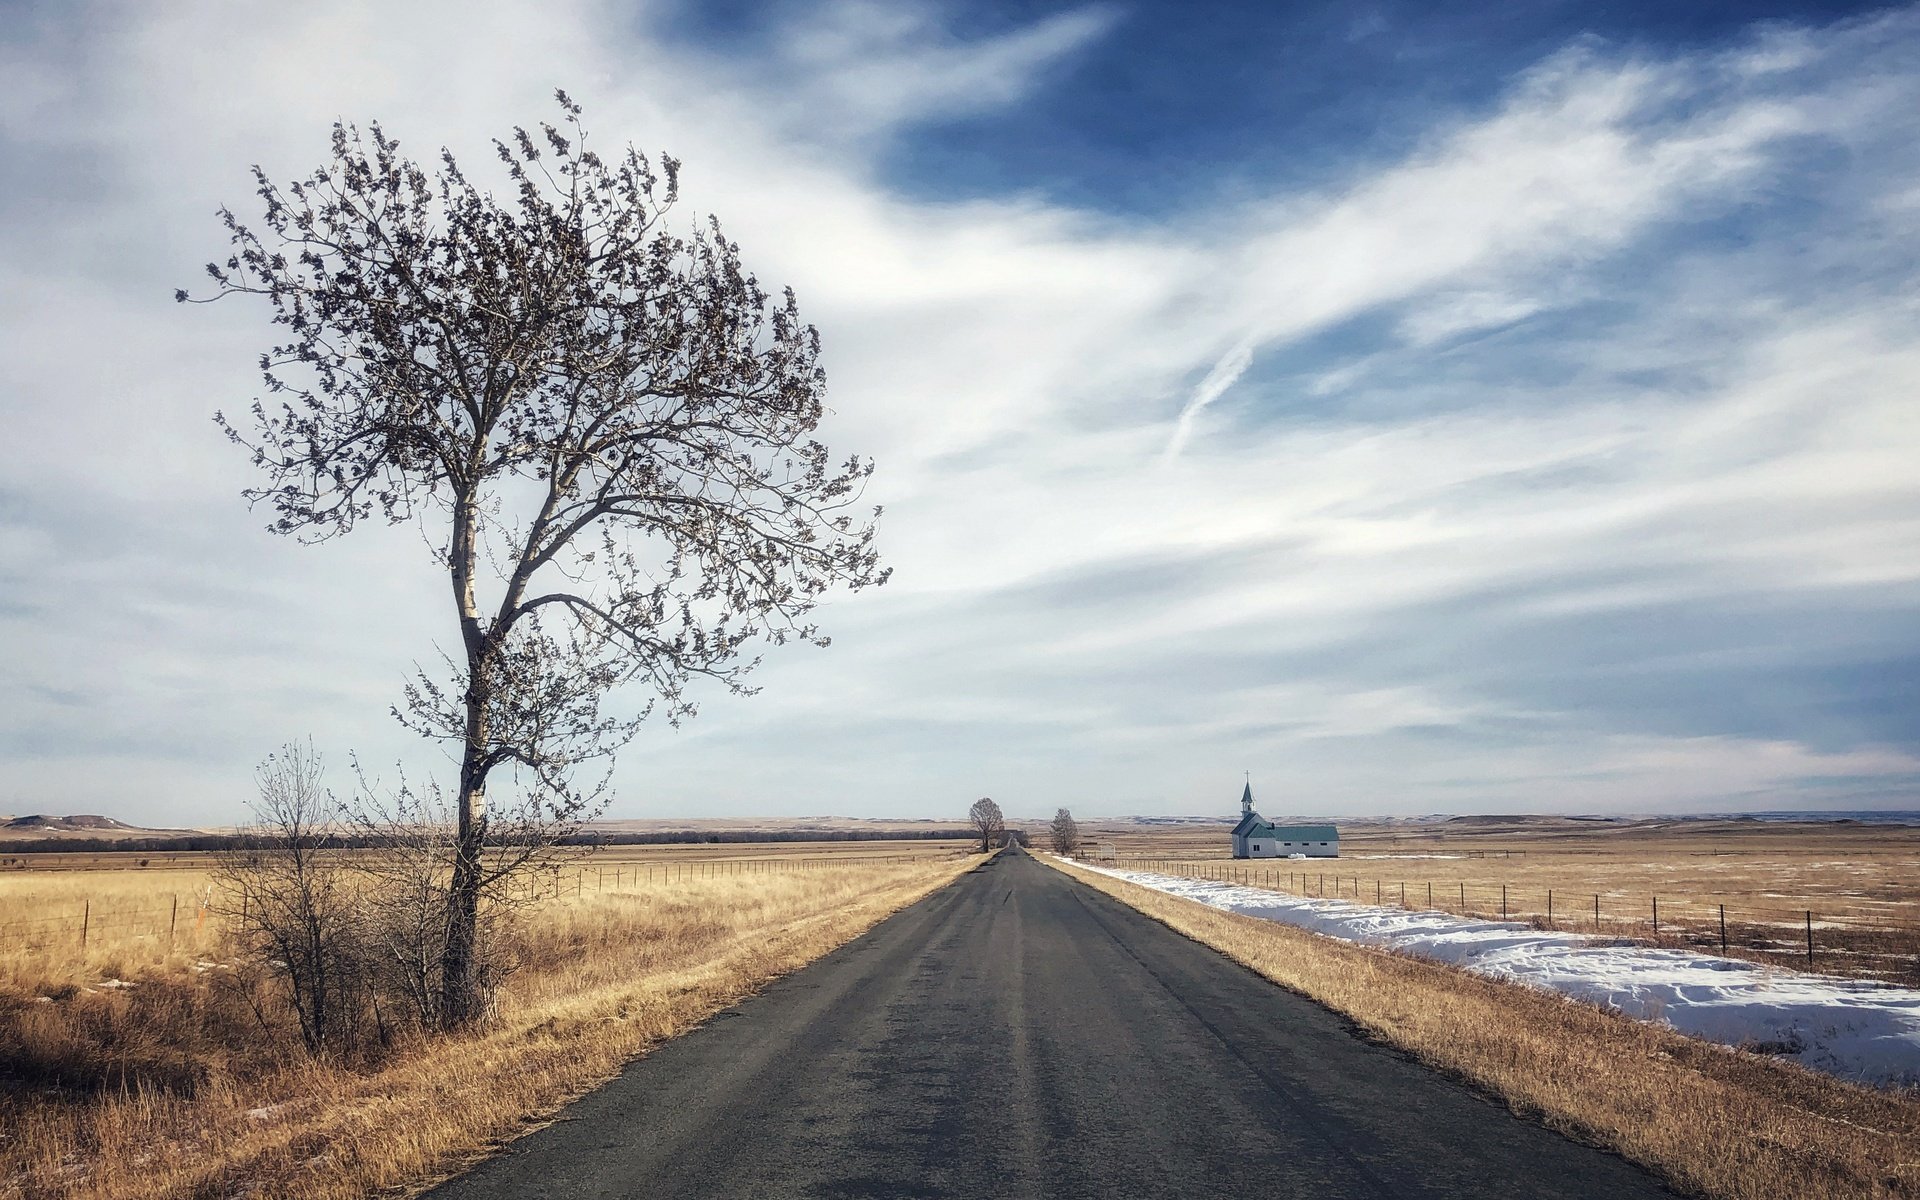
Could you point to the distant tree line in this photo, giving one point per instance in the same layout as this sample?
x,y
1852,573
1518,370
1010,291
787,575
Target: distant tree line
x,y
205,842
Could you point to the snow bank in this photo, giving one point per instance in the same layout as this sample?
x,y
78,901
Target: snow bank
x,y
1859,1031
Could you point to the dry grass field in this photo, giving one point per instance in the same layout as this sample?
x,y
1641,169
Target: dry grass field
x,y
1857,886
1714,1122
142,1064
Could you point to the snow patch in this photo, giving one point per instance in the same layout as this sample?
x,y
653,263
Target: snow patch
x,y
1859,1031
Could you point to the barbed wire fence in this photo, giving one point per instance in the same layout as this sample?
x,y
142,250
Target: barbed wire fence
x,y
1809,935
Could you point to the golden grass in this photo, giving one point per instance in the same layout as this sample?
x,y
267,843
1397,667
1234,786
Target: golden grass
x,y
199,1102
1712,1121
1835,869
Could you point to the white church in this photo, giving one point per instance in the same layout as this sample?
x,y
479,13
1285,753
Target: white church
x,y
1256,837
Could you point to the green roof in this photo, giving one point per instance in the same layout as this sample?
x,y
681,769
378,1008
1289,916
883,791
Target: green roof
x,y
1294,833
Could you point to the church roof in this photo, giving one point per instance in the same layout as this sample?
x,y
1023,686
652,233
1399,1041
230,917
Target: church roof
x,y
1253,825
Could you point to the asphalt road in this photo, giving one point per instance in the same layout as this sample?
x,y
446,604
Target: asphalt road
x,y
1020,1035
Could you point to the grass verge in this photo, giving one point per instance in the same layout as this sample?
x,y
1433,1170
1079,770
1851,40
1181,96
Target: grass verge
x,y
605,977
1712,1121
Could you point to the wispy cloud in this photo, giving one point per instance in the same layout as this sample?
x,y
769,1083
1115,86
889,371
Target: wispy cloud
x,y
1562,460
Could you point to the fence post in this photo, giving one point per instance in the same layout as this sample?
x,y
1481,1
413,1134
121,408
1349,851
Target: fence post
x,y
1463,899
173,919
1656,916
1503,902
1723,929
86,920
1549,908
1809,937
1596,912
1376,891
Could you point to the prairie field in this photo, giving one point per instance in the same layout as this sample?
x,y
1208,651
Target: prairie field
x,y
1852,891
139,1059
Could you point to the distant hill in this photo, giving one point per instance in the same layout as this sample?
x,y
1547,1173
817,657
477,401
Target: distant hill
x,y
43,826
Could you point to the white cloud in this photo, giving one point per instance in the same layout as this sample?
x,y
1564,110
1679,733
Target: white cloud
x,y
1110,578
860,67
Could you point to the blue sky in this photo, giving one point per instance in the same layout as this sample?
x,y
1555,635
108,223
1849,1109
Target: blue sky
x,y
1427,408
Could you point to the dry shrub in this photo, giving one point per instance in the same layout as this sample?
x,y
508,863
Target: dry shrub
x,y
600,978
1713,1121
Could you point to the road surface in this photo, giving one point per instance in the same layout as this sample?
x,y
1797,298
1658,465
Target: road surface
x,y
1020,1035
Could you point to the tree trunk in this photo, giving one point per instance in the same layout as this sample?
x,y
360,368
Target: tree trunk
x,y
460,960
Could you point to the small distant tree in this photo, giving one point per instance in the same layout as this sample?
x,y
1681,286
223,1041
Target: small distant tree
x,y
988,823
1065,833
604,424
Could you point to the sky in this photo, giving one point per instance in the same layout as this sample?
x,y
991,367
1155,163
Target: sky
x,y
1465,408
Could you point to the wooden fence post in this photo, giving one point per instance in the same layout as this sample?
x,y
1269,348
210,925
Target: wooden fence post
x,y
1723,929
1549,908
1503,902
1656,916
86,920
173,919
1809,937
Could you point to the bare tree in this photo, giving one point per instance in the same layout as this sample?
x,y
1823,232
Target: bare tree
x,y
605,426
291,899
988,823
1065,832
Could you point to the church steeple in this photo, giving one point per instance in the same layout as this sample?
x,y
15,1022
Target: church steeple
x,y
1246,797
